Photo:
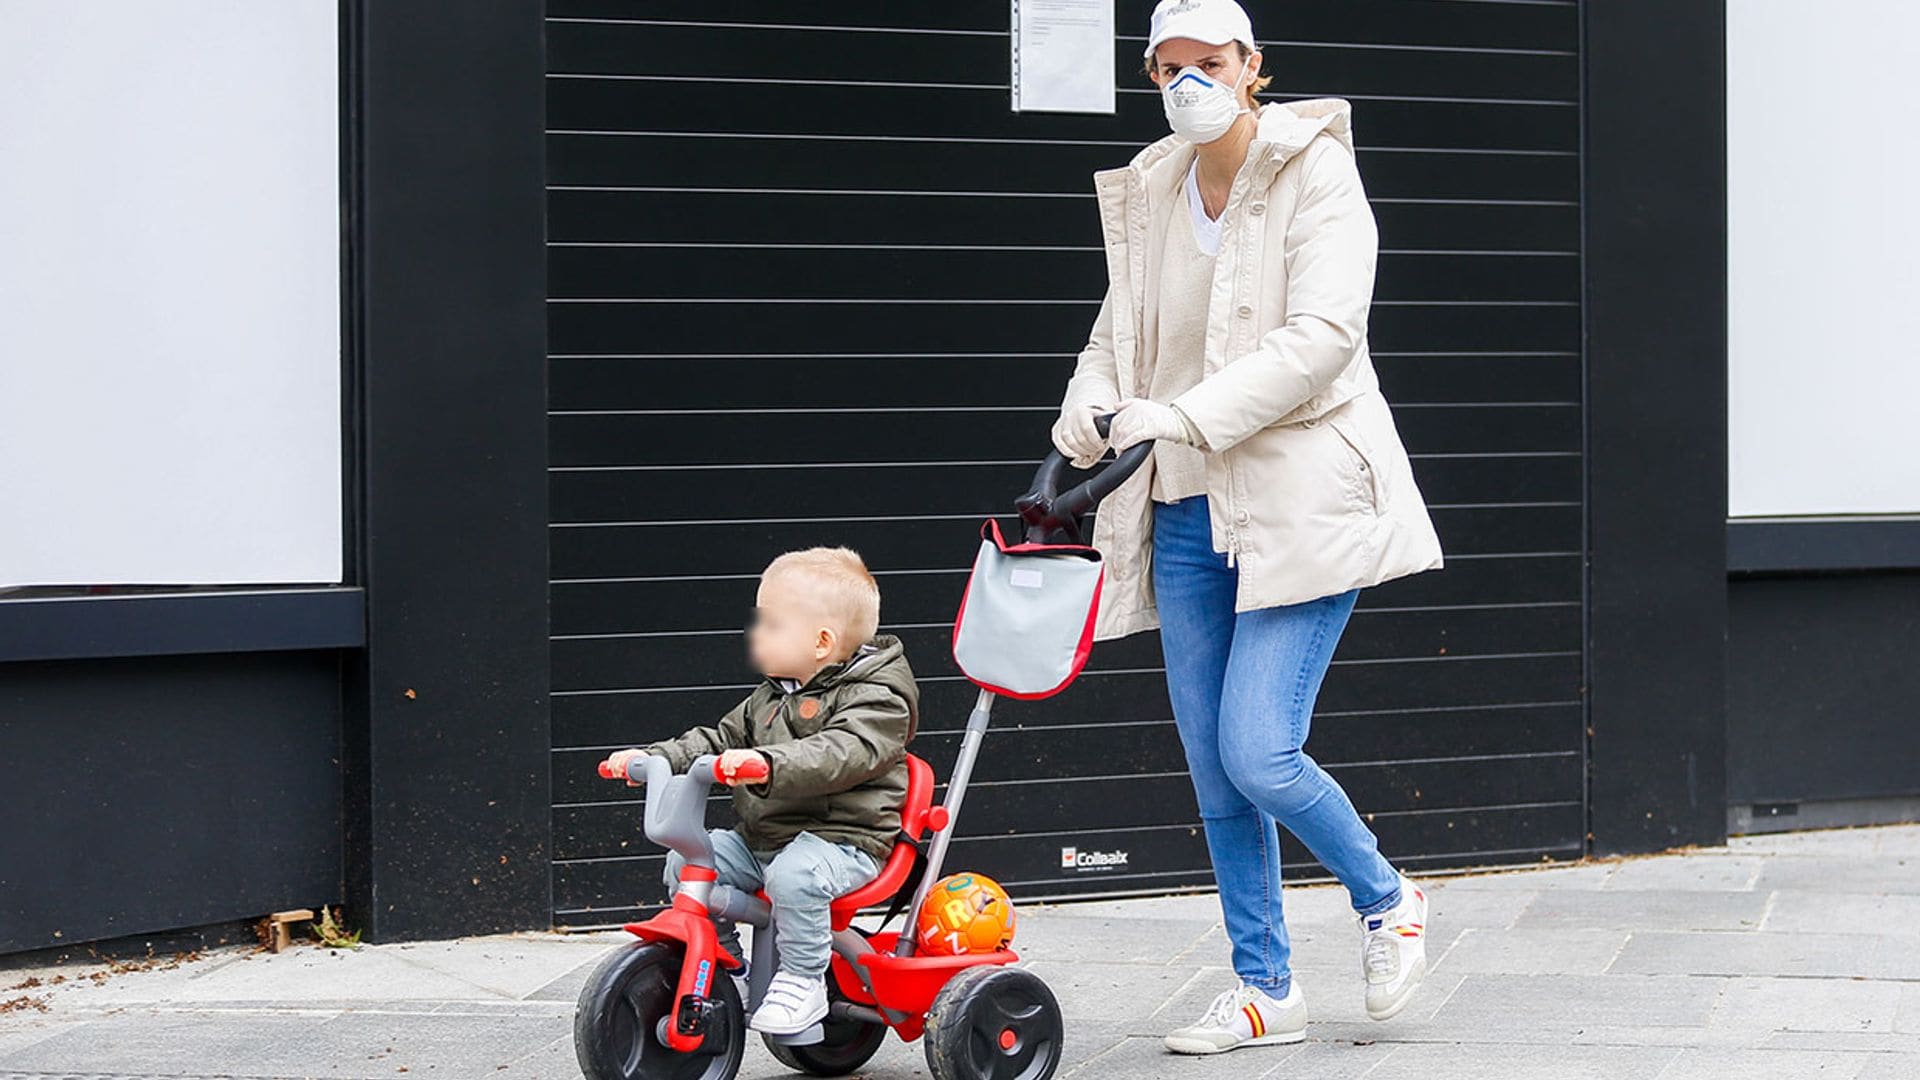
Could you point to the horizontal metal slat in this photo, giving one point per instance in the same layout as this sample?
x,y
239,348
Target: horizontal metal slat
x,y
978,109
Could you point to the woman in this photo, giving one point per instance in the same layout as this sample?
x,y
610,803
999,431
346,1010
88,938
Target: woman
x,y
1240,259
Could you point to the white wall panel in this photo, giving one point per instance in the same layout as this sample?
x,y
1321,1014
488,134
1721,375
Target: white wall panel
x,y
169,292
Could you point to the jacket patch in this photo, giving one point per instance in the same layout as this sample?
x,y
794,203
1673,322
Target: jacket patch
x,y
809,708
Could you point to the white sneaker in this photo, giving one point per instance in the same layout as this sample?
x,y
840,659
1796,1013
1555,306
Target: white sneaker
x,y
792,1005
1243,1016
1394,951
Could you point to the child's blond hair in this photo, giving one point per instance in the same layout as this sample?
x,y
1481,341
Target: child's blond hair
x,y
841,587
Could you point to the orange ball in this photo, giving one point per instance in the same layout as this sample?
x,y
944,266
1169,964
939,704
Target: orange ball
x,y
965,913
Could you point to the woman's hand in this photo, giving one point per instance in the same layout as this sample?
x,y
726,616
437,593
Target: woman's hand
x,y
1075,436
1140,420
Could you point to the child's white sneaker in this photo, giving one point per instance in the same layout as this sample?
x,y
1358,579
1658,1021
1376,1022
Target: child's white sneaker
x,y
792,1005
1394,951
1243,1016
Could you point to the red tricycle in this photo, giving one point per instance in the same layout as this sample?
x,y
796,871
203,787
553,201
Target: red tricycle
x,y
667,1005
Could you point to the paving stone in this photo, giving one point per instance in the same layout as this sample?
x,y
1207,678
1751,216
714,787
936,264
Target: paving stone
x,y
1451,908
1766,1005
1844,956
1201,905
1105,992
1320,1058
1879,874
1763,1065
1442,1061
1894,840
1111,939
307,974
1829,986
347,1045
1142,1056
1722,873
567,985
1677,1037
1830,842
1893,915
1343,1000
1555,1007
1642,909
1533,952
21,1030
1589,875
1873,1042
1906,1016
1833,843
1887,1067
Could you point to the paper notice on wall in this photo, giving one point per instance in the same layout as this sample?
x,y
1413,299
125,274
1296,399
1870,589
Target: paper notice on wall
x,y
1063,56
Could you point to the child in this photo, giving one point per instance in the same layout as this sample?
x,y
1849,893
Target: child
x,y
831,720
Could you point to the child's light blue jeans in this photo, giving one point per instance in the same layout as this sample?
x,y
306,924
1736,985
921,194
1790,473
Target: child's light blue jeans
x,y
802,879
1243,688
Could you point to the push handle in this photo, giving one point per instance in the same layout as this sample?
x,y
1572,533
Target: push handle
x,y
1053,516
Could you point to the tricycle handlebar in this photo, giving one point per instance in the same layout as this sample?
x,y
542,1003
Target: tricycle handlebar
x,y
652,769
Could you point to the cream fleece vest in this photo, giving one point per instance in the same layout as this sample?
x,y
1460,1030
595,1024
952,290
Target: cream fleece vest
x,y
1186,281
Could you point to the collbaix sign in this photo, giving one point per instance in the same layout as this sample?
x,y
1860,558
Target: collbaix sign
x,y
1072,858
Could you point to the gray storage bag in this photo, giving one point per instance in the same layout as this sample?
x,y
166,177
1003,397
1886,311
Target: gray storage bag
x,y
1025,625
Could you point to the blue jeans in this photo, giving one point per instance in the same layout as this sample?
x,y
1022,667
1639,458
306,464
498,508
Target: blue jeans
x,y
802,879
1243,687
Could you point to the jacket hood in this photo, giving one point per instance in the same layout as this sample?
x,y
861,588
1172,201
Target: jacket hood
x,y
881,660
1284,129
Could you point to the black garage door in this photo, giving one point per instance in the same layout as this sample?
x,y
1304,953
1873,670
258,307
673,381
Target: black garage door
x,y
813,282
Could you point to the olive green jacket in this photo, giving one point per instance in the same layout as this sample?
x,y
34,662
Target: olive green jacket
x,y
837,747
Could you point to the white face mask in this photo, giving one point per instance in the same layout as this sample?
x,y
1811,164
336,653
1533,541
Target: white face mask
x,y
1200,108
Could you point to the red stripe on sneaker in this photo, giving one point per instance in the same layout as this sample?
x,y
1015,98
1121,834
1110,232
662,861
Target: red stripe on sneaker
x,y
1253,1020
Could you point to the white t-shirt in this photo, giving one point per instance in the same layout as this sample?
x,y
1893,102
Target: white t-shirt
x,y
1206,230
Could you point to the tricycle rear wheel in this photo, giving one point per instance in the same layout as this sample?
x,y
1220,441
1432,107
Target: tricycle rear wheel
x,y
845,1045
994,1023
618,1014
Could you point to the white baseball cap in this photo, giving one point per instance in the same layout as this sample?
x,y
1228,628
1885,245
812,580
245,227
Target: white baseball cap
x,y
1214,22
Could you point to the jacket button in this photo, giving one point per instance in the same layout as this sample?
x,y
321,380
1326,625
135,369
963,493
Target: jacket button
x,y
1246,311
1310,423
1241,517
1257,208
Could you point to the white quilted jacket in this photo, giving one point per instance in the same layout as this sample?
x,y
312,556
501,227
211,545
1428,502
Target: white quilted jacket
x,y
1310,488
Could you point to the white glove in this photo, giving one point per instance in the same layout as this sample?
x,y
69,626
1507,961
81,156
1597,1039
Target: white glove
x,y
1077,439
1140,420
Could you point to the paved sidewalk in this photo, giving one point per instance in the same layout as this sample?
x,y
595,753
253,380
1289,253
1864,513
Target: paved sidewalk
x,y
1791,956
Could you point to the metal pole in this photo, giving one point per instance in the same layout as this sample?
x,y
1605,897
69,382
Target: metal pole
x,y
956,790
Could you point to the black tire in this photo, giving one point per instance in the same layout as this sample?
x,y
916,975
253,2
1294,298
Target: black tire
x,y
965,1027
625,997
845,1044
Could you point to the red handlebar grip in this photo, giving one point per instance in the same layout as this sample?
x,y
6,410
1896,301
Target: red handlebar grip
x,y
748,772
606,771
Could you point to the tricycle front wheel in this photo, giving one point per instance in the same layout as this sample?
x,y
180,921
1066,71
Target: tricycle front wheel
x,y
994,1023
616,1022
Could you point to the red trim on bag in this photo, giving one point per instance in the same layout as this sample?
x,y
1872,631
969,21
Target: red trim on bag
x,y
990,530
1082,650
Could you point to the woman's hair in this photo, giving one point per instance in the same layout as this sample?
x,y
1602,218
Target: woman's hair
x,y
1258,85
